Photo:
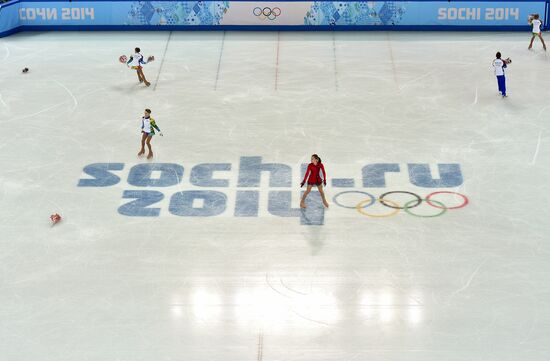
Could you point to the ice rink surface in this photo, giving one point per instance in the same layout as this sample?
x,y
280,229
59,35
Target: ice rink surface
x,y
222,265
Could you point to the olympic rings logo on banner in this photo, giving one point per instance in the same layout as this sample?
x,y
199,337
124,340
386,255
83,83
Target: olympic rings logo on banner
x,y
408,206
266,13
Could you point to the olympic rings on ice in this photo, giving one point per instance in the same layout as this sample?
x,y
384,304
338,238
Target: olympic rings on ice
x,y
406,206
395,206
440,213
383,201
266,13
372,199
465,200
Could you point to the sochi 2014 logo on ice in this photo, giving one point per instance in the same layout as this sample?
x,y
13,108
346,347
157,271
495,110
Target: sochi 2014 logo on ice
x,y
215,189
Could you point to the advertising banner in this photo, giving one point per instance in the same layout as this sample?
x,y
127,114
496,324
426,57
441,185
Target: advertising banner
x,y
9,18
367,15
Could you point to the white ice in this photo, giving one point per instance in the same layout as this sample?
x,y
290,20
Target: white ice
x,y
471,285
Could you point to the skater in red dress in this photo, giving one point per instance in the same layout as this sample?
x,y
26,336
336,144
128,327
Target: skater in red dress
x,y
313,178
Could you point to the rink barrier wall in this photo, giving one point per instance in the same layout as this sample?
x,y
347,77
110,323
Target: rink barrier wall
x,y
292,15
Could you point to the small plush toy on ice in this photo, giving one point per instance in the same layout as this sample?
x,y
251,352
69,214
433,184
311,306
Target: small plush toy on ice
x,y
55,218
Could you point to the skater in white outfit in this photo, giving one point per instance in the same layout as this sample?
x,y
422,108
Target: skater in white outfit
x,y
537,25
148,127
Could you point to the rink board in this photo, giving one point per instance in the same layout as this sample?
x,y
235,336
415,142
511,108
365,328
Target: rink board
x,y
267,15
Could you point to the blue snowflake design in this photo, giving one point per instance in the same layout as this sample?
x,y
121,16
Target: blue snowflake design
x,y
177,12
355,13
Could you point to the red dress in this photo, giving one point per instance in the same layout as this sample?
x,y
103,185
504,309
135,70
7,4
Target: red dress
x,y
313,172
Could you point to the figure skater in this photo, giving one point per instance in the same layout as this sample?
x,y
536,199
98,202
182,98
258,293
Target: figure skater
x,y
135,62
537,24
313,178
500,64
148,127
